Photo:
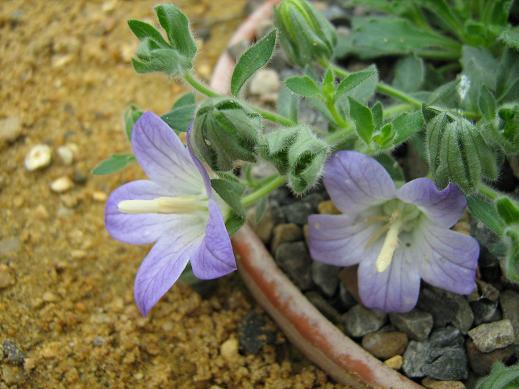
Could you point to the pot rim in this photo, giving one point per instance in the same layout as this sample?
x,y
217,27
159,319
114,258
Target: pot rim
x,y
315,336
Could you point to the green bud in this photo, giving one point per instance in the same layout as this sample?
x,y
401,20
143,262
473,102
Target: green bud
x,y
305,34
298,153
457,153
225,131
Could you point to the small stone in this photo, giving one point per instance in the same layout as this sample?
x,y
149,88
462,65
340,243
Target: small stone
x,y
61,185
360,321
229,349
446,337
482,363
49,297
10,129
99,196
449,363
509,300
328,208
284,233
6,277
326,277
446,308
385,345
485,311
294,259
252,333
415,358
11,375
265,84
323,306
313,200
67,153
434,384
38,157
493,336
12,352
41,213
297,212
79,178
395,362
416,324
346,300
9,245
265,226
488,291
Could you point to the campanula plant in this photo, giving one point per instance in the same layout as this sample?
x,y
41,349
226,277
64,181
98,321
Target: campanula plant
x,y
453,96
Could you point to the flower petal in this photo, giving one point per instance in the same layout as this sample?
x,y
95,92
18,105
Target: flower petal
x,y
162,266
137,228
163,157
356,182
215,257
198,164
450,258
394,290
443,207
335,240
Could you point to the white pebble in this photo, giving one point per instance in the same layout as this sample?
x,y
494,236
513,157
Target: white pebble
x,y
38,157
67,153
265,84
10,129
61,185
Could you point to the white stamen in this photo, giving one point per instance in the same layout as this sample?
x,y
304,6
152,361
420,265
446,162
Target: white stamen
x,y
180,204
388,248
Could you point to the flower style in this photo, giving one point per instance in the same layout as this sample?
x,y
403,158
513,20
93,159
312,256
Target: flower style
x,y
175,208
397,236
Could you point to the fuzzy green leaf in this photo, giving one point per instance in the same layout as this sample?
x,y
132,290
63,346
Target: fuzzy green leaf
x,y
409,74
256,56
302,85
363,119
406,125
486,213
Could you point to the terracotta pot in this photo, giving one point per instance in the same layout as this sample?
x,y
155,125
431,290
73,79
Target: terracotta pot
x,y
320,340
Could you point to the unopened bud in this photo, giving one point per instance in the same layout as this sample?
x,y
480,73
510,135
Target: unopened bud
x,y
226,131
305,34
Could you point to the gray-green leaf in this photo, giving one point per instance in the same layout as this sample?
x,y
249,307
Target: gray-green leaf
x,y
256,56
363,119
302,85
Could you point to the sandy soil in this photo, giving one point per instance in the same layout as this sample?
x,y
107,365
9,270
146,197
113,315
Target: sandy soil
x,y
67,318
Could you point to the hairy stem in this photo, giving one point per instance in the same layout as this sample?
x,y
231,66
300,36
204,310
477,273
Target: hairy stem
x,y
263,191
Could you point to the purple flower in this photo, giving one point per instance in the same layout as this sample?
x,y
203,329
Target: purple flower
x,y
397,236
175,208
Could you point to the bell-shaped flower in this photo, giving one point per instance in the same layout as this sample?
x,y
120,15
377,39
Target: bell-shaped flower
x,y
175,208
396,236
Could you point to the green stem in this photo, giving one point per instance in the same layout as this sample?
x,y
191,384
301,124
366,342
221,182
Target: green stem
x,y
394,110
341,122
488,192
200,87
388,90
263,191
